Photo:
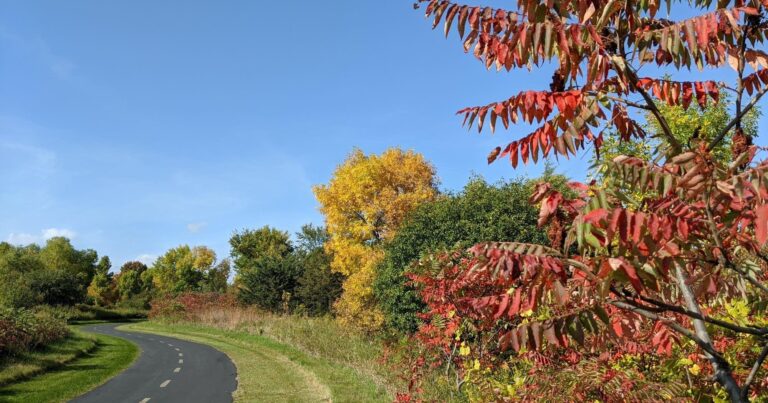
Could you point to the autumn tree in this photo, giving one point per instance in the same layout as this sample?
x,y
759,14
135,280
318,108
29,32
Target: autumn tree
x,y
185,268
102,288
627,274
364,204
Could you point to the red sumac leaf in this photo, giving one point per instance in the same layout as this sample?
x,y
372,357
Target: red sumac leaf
x,y
502,307
761,224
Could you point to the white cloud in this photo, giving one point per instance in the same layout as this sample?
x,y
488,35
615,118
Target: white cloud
x,y
147,259
196,227
54,232
46,234
22,239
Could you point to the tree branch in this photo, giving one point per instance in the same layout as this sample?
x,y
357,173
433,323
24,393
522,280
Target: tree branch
x,y
666,321
726,325
753,373
721,367
621,100
722,257
621,62
736,119
651,106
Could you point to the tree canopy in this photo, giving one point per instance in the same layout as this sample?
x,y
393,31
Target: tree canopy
x,y
480,212
366,201
186,268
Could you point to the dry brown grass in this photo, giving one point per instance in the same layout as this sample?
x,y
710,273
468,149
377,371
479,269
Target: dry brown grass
x,y
320,337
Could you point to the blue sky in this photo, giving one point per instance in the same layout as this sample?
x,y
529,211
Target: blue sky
x,y
134,127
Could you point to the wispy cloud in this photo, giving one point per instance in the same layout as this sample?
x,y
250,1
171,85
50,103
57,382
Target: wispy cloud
x,y
24,238
35,160
196,227
36,47
146,258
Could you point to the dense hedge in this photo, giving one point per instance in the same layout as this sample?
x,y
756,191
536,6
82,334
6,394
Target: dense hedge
x,y
83,312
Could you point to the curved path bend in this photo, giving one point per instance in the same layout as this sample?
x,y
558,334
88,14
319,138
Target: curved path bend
x,y
167,370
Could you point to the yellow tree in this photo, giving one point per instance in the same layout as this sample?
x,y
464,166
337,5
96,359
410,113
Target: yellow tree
x,y
364,204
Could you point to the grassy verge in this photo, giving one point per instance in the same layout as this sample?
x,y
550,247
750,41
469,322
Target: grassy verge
x,y
65,369
269,370
54,355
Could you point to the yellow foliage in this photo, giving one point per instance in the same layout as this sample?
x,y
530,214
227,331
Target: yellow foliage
x,y
364,204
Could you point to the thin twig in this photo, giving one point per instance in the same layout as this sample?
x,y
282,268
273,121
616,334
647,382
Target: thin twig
x,y
722,257
720,136
617,99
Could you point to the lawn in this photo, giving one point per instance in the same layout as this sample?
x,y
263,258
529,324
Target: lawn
x,y
272,371
65,369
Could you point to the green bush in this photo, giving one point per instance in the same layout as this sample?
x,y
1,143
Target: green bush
x,y
139,302
481,212
56,287
82,312
318,287
15,291
270,283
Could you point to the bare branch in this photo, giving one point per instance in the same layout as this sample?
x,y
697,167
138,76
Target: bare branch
x,y
651,106
720,136
753,373
726,325
621,100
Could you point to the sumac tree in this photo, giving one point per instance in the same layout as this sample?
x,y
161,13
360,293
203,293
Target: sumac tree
x,y
650,272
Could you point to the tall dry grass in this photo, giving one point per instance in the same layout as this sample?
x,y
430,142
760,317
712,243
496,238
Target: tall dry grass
x,y
321,337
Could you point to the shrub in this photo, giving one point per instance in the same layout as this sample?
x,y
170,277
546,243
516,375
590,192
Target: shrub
x,y
15,291
56,287
271,283
186,305
24,329
83,312
481,212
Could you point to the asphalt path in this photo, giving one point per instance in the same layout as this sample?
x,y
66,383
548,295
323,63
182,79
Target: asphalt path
x,y
167,370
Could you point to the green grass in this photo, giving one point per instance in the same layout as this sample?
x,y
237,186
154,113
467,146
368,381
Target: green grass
x,y
272,371
65,369
56,354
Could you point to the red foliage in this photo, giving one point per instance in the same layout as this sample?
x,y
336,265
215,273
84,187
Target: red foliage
x,y
621,273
